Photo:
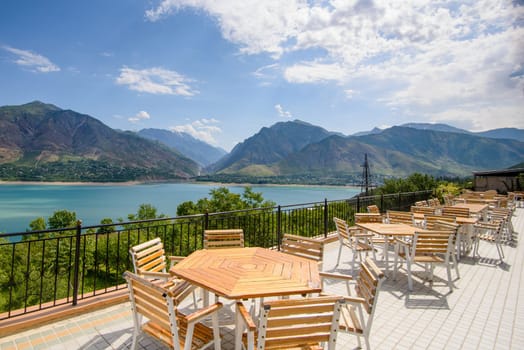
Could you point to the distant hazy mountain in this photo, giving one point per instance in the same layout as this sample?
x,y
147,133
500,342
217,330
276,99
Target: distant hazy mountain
x,y
371,132
44,142
396,151
200,151
270,145
435,127
504,133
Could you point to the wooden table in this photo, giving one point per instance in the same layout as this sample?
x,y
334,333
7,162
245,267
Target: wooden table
x,y
390,230
474,208
245,273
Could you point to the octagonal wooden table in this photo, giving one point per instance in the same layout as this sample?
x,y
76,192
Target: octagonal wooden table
x,y
245,273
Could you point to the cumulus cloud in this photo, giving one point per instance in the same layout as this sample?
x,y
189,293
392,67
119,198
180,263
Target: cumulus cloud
x,y
142,115
282,113
33,61
156,80
203,129
427,57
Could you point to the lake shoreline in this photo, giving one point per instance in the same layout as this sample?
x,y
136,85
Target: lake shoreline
x,y
134,183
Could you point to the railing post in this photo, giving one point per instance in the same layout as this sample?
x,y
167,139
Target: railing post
x,y
77,261
358,204
326,212
382,202
279,226
399,202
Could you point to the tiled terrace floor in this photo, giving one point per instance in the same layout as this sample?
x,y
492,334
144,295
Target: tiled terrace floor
x,y
485,311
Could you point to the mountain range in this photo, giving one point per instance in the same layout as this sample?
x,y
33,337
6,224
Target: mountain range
x,y
40,141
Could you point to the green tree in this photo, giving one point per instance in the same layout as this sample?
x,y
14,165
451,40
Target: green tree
x,y
62,219
37,224
222,200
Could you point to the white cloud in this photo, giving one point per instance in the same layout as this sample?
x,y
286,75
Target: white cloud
x,y
203,129
142,115
33,61
282,113
425,57
156,80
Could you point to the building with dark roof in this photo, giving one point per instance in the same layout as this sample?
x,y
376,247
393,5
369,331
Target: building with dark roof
x,y
503,181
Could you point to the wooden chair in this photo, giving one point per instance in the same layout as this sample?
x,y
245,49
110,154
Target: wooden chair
x,y
490,232
443,225
353,239
305,323
429,248
305,247
165,322
421,203
434,202
377,240
149,261
218,239
358,313
373,208
399,217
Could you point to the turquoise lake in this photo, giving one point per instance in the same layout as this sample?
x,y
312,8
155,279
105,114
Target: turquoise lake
x,y
22,203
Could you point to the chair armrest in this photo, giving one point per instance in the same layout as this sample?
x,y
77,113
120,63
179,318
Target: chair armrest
x,y
336,276
402,242
246,317
160,275
202,313
174,259
369,235
354,300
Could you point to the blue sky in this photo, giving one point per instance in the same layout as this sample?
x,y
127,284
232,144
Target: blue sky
x,y
222,69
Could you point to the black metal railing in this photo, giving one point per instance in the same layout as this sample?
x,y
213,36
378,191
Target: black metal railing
x,y
44,269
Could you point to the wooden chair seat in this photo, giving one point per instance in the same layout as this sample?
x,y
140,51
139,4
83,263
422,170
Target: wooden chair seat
x,y
351,322
202,334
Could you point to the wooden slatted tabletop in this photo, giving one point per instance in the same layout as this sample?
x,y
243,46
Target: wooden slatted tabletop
x,y
244,273
474,208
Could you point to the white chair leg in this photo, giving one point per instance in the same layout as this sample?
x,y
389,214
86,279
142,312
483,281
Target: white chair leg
x,y
339,253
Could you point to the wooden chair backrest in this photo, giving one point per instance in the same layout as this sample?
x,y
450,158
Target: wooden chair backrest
x,y
423,210
305,247
399,217
373,209
455,211
369,280
434,202
427,243
430,220
217,239
368,217
293,323
342,229
148,256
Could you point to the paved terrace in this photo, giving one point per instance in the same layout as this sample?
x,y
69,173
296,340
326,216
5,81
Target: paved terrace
x,y
485,311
